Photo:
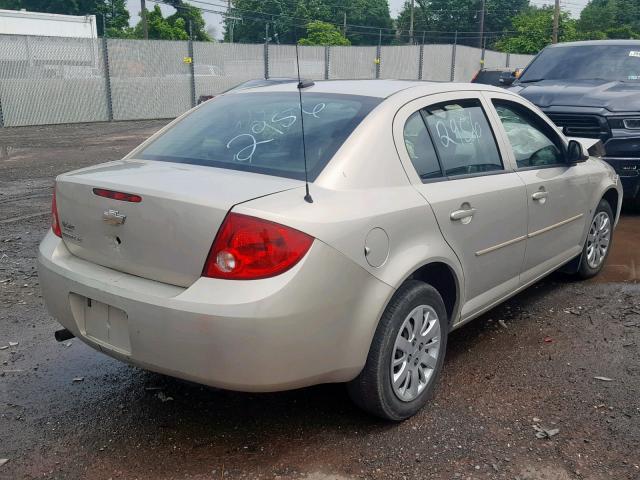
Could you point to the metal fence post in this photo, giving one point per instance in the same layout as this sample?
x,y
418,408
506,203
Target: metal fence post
x,y
107,77
420,60
326,61
508,60
1,115
453,57
192,68
378,54
266,51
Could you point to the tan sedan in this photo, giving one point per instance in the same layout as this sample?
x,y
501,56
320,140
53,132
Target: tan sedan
x,y
200,256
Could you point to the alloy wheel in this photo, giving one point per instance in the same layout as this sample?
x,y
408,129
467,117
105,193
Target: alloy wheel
x,y
415,353
598,239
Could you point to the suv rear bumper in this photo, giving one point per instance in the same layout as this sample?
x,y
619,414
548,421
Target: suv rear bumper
x,y
306,326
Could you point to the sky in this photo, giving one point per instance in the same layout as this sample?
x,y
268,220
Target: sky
x,y
215,20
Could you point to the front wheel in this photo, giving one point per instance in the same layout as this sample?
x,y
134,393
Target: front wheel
x,y
598,243
406,354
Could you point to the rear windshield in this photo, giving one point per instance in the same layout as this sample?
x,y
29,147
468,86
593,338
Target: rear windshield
x,y
586,62
261,132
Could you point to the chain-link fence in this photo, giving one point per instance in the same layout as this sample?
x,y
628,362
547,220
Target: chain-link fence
x,y
46,80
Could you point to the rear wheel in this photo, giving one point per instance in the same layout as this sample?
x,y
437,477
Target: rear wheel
x,y
598,243
406,354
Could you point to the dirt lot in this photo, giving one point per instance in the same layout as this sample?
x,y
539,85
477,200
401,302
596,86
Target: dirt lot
x,y
532,361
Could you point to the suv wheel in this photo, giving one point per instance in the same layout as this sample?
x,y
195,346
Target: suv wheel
x,y
406,354
598,243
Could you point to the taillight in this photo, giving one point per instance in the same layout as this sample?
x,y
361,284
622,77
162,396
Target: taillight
x,y
113,195
249,248
55,221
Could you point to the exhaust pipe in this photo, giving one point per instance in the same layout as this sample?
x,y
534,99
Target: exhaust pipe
x,y
63,335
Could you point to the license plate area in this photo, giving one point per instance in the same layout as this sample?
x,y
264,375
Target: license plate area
x,y
102,323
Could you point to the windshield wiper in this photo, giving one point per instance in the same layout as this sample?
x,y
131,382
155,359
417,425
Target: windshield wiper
x,y
533,80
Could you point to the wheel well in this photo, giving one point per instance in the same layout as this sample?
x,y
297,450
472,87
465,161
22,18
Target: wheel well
x,y
611,196
440,276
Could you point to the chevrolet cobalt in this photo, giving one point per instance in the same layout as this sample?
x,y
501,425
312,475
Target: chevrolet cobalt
x,y
200,255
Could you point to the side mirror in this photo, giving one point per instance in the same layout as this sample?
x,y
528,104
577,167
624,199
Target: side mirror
x,y
575,153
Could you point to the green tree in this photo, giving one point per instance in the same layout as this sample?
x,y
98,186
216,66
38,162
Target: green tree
x,y
610,19
368,17
116,15
192,17
440,19
64,7
534,30
322,33
286,20
161,28
11,4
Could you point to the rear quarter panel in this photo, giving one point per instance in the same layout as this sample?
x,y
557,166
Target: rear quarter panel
x,y
343,218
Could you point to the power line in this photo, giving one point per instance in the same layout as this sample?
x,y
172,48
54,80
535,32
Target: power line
x,y
270,17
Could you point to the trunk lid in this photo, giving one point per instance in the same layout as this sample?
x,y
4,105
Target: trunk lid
x,y
167,236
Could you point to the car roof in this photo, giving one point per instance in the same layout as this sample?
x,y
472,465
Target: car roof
x,y
587,43
371,88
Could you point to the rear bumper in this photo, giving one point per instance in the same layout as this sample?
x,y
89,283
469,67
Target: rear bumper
x,y
312,324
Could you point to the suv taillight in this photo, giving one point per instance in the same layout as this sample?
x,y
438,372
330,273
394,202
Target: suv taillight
x,y
55,221
249,248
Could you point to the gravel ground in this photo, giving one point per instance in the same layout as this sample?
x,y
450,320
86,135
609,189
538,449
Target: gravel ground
x,y
530,363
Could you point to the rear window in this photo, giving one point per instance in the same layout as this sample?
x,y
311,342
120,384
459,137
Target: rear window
x,y
261,132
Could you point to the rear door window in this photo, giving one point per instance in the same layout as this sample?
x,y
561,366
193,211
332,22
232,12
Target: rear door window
x,y
463,138
261,132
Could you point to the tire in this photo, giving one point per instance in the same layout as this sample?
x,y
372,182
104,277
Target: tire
x,y
373,389
588,267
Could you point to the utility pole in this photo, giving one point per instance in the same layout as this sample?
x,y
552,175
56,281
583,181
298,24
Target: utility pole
x,y
411,23
344,23
556,21
143,16
482,25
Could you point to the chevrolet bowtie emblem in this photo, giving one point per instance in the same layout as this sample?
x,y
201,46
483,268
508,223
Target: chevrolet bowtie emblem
x,y
113,217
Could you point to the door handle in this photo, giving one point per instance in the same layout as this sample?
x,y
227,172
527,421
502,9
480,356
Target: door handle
x,y
540,195
462,214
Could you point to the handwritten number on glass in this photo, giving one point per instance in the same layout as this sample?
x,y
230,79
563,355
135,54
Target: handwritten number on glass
x,y
245,154
279,124
461,130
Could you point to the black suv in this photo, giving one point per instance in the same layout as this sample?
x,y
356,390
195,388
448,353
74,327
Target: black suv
x,y
592,89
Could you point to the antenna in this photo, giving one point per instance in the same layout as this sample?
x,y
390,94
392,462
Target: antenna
x,y
301,85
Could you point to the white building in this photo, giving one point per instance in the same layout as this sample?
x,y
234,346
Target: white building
x,y
21,22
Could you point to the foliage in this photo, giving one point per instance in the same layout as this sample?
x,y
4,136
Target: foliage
x,y
160,28
192,17
10,4
322,33
370,16
286,20
463,16
116,15
602,19
534,29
